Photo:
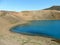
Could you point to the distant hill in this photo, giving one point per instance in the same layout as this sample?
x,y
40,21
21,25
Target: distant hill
x,y
30,15
53,8
52,13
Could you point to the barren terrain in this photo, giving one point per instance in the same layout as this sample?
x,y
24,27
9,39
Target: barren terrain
x,y
9,19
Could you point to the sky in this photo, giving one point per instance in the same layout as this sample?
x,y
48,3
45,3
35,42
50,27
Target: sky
x,y
22,5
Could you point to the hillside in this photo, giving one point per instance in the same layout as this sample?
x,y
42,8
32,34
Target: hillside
x,y
53,8
30,15
41,15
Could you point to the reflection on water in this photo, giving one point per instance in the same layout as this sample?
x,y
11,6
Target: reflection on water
x,y
40,27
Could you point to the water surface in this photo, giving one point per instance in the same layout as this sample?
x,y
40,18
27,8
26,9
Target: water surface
x,y
40,27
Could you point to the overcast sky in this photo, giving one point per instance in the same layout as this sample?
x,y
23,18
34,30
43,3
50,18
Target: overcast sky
x,y
21,5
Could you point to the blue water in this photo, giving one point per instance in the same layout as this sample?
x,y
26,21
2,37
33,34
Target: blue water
x,y
49,28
